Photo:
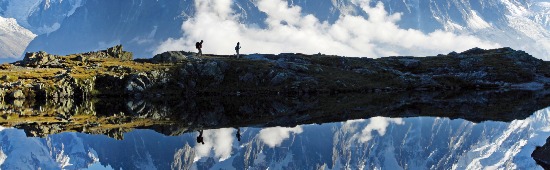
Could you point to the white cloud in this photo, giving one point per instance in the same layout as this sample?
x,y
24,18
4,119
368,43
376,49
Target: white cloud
x,y
218,142
289,30
276,135
378,124
2,128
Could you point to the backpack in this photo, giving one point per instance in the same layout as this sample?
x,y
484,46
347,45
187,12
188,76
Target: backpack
x,y
198,45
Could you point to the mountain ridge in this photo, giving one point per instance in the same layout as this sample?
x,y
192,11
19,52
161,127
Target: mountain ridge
x,y
517,24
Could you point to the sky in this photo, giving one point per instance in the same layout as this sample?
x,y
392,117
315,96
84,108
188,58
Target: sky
x,y
290,30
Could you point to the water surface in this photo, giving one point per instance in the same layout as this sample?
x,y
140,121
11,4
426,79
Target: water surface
x,y
377,142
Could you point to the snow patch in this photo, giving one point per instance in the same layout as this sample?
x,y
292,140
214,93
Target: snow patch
x,y
49,29
76,4
3,157
529,86
476,22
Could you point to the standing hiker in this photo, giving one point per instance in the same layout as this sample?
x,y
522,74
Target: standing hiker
x,y
198,45
237,49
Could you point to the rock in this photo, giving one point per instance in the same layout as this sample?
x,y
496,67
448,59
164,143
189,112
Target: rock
x,y
137,83
409,63
169,57
37,59
117,49
474,51
17,103
6,66
18,94
80,58
248,77
279,78
213,69
453,54
364,71
117,52
467,63
2,94
298,67
5,78
541,154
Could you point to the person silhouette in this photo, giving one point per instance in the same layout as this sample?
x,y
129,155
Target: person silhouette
x,y
198,45
237,48
199,138
238,134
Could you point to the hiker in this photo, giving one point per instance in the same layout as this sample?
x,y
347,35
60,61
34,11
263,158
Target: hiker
x,y
199,138
237,49
198,45
238,134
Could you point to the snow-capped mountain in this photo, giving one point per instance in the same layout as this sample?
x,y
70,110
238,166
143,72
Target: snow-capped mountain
x,y
21,21
13,38
375,143
39,16
541,13
71,26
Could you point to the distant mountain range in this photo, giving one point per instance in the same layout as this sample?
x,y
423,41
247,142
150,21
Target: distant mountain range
x,y
71,26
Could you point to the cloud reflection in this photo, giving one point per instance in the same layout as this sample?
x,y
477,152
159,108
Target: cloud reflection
x,y
378,124
274,136
218,144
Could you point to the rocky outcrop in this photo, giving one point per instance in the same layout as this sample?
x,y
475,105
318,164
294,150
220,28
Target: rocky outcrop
x,y
195,74
140,82
40,59
541,155
117,52
18,94
172,57
113,52
45,60
177,72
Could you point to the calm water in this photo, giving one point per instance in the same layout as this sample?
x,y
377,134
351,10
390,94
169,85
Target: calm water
x,y
375,143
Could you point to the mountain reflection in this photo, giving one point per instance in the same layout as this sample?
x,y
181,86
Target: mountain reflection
x,y
379,142
350,132
174,116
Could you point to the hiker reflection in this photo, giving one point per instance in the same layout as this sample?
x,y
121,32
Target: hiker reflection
x,y
200,139
238,134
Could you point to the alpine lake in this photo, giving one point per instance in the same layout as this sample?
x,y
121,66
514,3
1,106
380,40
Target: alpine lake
x,y
381,130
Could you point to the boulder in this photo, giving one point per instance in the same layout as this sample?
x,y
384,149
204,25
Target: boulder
x,y
37,59
409,63
541,154
279,78
18,94
248,77
170,57
137,83
118,52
